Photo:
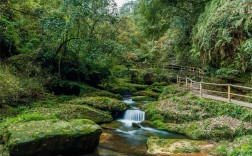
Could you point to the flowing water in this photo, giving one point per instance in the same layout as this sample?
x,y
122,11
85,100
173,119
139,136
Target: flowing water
x,y
127,140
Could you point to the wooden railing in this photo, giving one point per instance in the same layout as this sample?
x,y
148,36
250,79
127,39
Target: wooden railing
x,y
193,70
223,90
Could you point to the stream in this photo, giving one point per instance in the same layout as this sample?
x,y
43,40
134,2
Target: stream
x,y
127,140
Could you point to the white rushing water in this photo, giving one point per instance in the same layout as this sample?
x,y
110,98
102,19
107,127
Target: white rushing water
x,y
134,115
128,101
131,116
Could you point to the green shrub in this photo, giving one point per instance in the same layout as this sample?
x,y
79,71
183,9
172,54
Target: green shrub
x,y
172,90
16,90
221,150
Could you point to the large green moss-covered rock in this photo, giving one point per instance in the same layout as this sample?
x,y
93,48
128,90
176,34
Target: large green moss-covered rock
x,y
104,103
104,94
149,93
218,128
51,137
143,98
68,111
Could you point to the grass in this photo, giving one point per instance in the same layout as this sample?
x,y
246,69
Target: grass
x,y
199,118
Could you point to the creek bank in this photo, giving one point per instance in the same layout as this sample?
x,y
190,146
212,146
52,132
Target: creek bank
x,y
51,137
70,111
217,129
159,146
198,118
116,107
143,98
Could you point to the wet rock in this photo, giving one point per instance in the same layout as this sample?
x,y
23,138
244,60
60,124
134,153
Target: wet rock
x,y
112,125
136,125
51,137
205,116
105,137
147,123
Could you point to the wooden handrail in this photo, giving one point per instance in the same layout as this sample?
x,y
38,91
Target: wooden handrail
x,y
189,85
194,69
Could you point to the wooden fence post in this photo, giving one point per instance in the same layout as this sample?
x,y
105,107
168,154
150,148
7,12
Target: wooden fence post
x,y
200,89
186,82
229,93
191,86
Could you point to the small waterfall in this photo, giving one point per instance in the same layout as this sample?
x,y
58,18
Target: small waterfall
x,y
131,116
134,115
128,101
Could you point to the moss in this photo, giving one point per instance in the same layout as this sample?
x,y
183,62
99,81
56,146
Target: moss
x,y
173,111
219,128
170,146
68,111
103,103
221,150
104,94
52,100
172,90
17,90
242,146
123,87
51,136
62,111
111,125
149,93
143,98
180,107
23,118
63,87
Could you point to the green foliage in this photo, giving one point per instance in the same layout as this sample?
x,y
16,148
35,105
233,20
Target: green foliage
x,y
18,90
242,146
221,150
170,91
221,36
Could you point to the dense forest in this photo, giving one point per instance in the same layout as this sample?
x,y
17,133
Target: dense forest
x,y
66,66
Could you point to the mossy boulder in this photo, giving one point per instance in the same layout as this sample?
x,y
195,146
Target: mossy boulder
x,y
124,88
218,128
68,111
171,110
103,103
51,137
173,146
112,125
143,98
149,93
104,94
62,112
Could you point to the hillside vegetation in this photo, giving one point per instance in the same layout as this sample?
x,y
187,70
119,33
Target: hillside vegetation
x,y
68,60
